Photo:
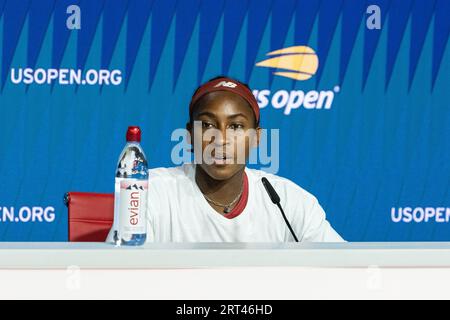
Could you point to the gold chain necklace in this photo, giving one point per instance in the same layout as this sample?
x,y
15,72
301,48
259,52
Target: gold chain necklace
x,y
227,207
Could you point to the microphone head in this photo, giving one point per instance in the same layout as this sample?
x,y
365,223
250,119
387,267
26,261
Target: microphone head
x,y
271,191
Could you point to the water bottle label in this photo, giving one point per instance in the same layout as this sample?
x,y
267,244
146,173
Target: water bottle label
x,y
133,207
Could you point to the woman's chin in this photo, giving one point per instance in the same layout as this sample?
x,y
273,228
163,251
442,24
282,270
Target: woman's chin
x,y
220,171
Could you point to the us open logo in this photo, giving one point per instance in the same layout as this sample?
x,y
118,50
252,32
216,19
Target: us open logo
x,y
299,63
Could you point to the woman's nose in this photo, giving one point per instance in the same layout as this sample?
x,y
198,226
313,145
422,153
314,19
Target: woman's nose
x,y
222,137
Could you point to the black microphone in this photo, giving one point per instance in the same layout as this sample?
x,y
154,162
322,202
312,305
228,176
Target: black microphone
x,y
276,200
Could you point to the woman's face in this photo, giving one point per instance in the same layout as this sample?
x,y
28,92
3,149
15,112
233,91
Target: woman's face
x,y
226,126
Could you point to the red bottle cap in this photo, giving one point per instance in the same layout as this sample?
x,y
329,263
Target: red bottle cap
x,y
134,134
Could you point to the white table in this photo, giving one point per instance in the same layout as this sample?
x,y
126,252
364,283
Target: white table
x,y
201,255
225,271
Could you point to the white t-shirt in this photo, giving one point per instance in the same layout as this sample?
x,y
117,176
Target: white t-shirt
x,y
178,212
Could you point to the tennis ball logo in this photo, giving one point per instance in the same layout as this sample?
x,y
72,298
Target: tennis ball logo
x,y
300,62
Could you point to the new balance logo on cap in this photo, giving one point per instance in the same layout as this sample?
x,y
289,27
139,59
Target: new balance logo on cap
x,y
227,84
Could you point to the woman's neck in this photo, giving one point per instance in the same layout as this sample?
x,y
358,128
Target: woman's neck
x,y
222,191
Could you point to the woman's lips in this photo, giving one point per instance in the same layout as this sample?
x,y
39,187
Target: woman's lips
x,y
221,160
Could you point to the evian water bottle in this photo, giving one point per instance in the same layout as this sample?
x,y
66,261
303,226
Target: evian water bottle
x,y
130,197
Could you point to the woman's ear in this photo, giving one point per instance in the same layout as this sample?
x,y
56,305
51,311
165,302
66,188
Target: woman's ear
x,y
255,137
258,135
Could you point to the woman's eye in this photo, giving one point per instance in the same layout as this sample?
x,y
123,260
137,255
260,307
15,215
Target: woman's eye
x,y
236,126
207,125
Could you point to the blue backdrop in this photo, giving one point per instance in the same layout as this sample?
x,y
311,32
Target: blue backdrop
x,y
381,145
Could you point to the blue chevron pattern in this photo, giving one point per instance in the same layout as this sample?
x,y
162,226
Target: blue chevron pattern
x,y
441,34
210,16
352,17
234,14
421,19
92,13
398,18
162,15
258,14
14,16
419,13
187,14
60,34
329,14
372,37
138,16
113,17
40,13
